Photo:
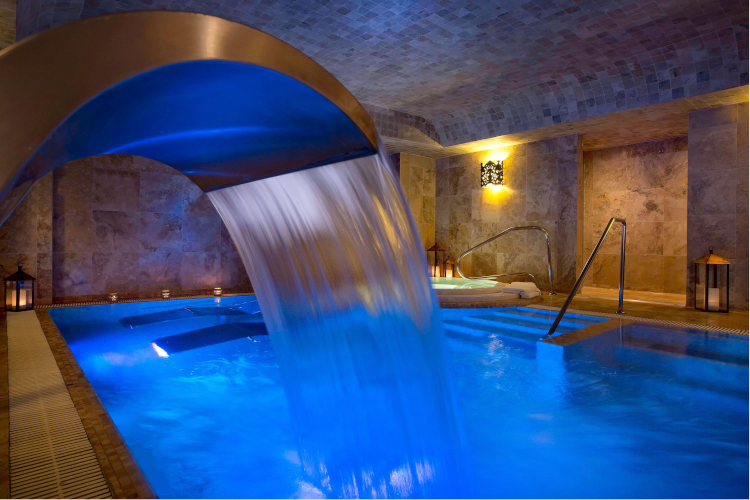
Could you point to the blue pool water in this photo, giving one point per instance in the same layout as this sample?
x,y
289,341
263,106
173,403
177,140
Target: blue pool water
x,y
636,412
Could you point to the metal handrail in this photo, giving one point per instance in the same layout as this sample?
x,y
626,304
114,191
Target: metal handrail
x,y
515,228
585,270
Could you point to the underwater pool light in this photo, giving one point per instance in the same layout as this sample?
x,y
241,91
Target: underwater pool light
x,y
159,351
492,173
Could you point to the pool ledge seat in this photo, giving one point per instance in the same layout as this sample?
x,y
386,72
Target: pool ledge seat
x,y
482,297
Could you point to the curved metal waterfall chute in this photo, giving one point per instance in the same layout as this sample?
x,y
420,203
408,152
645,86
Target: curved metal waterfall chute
x,y
219,101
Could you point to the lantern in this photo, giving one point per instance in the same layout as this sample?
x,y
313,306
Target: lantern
x,y
450,268
113,297
436,260
19,291
708,290
165,294
217,291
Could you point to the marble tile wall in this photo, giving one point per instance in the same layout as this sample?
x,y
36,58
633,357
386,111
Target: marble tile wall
x,y
718,194
418,180
26,239
135,226
646,184
541,188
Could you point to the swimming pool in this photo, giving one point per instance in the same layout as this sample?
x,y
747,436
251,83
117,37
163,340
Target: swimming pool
x,y
635,412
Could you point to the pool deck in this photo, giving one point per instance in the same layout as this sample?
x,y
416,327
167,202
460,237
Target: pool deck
x,y
124,478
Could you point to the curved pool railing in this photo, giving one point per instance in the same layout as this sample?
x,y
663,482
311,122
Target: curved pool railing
x,y
514,228
585,270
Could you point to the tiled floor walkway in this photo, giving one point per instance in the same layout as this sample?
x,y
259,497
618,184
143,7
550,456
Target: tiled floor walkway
x,y
50,454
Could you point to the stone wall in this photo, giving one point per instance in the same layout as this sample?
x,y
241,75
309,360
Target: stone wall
x,y
418,180
26,239
541,188
718,194
7,23
645,184
119,223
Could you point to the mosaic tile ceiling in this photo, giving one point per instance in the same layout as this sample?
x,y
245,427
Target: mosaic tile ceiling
x,y
482,68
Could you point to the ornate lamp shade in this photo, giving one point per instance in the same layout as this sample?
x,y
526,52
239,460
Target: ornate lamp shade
x,y
492,173
19,291
711,294
436,259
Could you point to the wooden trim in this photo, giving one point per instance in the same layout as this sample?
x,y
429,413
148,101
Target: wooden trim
x,y
123,475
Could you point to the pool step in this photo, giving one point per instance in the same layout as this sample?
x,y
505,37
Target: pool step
x,y
519,323
482,329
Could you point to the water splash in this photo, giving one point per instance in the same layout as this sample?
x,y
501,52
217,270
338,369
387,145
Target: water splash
x,y
342,282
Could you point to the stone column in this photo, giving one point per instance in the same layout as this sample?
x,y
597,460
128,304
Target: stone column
x,y
718,194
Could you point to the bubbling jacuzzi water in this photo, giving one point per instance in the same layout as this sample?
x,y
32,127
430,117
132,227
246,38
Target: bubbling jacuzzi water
x,y
342,283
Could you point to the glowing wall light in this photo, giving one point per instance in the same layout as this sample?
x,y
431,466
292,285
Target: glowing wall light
x,y
492,173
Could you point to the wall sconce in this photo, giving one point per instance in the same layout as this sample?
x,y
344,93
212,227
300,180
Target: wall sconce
x,y
492,173
217,291
165,294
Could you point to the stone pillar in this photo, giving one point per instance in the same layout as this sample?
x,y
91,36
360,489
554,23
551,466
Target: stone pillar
x,y
417,175
718,194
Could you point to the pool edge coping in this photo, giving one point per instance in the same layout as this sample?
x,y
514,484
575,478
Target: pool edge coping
x,y
120,469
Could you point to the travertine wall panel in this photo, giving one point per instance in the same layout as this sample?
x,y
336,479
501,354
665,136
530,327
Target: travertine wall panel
x,y
135,226
417,175
718,194
7,23
646,184
541,188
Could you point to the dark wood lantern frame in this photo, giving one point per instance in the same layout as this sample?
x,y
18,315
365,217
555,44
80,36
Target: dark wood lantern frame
x,y
20,291
437,263
708,268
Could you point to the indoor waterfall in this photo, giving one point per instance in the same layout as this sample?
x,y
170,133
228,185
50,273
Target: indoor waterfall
x,y
341,279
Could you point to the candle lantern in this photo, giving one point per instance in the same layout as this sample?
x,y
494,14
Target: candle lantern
x,y
165,294
709,291
217,291
113,297
450,268
19,291
436,258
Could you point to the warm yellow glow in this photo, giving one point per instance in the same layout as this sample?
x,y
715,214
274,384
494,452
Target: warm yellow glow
x,y
497,155
449,272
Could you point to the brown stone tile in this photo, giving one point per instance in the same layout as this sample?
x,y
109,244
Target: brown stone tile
x,y
646,238
647,275
675,275
712,117
201,233
200,271
542,203
162,193
72,231
4,411
646,205
712,193
115,231
160,231
159,270
675,238
71,275
115,272
717,231
115,190
541,171
73,185
713,148
19,232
